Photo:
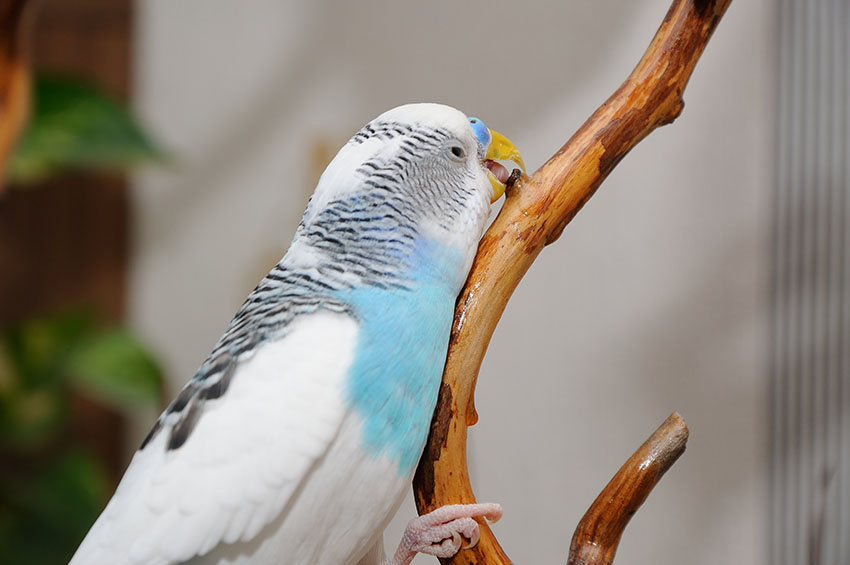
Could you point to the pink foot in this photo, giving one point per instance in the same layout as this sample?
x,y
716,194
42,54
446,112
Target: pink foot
x,y
438,533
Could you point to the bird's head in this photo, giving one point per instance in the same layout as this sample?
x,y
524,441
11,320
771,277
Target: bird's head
x,y
419,172
449,162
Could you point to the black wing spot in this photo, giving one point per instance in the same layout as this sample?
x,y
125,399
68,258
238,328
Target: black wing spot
x,y
220,387
182,399
181,430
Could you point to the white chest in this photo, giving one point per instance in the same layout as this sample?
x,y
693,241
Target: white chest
x,y
336,515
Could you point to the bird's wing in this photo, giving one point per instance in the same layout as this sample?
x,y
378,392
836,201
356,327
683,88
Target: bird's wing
x,y
246,455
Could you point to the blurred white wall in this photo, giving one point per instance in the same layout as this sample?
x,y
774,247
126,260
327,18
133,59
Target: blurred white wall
x,y
654,299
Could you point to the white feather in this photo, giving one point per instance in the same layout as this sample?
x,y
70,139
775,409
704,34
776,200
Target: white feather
x,y
338,514
247,455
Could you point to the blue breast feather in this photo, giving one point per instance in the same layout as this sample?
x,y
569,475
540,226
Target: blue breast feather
x,y
401,351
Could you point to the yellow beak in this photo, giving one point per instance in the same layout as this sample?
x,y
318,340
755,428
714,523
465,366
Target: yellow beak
x,y
501,148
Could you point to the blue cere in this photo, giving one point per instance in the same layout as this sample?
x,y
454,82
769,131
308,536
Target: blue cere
x,y
481,132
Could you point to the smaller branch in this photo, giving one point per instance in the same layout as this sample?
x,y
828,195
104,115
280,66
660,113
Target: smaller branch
x,y
598,533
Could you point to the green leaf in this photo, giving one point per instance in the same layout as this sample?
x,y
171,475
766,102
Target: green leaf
x,y
45,514
33,392
116,369
29,418
37,348
76,126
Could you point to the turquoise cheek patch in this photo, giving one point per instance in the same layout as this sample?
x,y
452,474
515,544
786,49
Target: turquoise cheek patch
x,y
482,132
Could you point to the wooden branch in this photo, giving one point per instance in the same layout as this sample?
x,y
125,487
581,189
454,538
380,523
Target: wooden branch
x,y
15,32
535,213
598,533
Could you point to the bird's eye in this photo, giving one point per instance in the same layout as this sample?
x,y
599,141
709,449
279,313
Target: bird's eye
x,y
458,151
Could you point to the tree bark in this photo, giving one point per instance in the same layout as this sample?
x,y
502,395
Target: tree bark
x,y
535,213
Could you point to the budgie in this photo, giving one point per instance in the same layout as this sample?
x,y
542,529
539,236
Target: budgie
x,y
298,436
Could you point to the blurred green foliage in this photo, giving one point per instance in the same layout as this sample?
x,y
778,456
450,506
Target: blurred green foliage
x,y
51,489
76,126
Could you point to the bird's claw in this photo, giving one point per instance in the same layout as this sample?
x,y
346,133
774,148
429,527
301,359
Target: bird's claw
x,y
438,533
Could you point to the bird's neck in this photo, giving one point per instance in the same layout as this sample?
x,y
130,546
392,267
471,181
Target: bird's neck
x,y
401,284
379,245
